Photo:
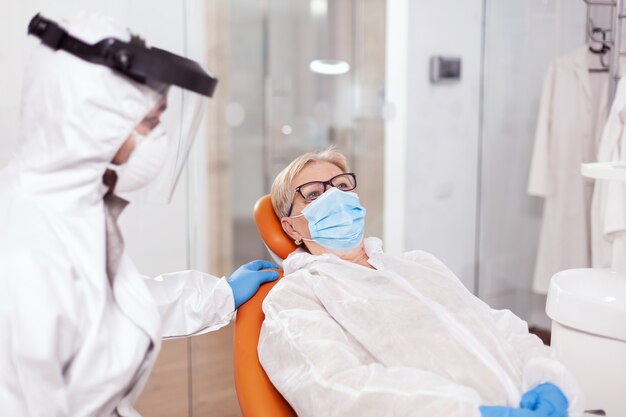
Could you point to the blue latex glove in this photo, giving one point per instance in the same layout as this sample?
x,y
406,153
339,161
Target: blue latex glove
x,y
245,281
546,398
498,411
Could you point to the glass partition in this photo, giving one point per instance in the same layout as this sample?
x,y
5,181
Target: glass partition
x,y
283,105
273,104
520,40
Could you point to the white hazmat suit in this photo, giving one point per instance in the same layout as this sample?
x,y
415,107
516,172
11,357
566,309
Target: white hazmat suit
x,y
404,339
75,342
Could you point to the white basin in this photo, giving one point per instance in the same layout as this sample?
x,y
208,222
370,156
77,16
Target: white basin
x,y
593,300
588,312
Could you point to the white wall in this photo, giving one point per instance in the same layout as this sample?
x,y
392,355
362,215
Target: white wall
x,y
395,113
458,154
156,237
441,133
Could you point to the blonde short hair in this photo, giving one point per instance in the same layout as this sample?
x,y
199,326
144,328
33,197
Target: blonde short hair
x,y
282,190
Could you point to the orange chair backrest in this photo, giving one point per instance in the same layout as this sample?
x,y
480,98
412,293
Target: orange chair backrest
x,y
257,396
270,229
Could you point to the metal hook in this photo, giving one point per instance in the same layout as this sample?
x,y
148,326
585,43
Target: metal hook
x,y
593,30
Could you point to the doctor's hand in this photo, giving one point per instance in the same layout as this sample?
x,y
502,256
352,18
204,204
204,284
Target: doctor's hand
x,y
245,281
546,398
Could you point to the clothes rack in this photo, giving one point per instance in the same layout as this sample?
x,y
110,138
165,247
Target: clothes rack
x,y
615,170
615,40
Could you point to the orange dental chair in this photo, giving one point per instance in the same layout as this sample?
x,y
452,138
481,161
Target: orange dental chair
x,y
257,396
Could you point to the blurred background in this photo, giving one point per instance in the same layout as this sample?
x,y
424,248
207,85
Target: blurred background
x,y
442,164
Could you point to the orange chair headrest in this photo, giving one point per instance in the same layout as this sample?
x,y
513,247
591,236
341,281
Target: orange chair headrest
x,y
270,229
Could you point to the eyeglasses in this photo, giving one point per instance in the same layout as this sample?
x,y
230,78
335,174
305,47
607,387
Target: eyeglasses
x,y
311,190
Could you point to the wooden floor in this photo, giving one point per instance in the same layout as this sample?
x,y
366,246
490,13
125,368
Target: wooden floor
x,y
193,377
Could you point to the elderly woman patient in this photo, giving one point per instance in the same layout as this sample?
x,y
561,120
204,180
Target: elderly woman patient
x,y
353,331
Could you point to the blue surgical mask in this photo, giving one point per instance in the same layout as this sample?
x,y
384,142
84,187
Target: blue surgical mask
x,y
336,220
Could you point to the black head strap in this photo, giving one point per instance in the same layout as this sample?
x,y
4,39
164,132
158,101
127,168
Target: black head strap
x,y
133,59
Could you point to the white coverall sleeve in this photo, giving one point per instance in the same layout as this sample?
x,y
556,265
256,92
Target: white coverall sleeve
x,y
322,372
539,364
37,323
539,178
191,302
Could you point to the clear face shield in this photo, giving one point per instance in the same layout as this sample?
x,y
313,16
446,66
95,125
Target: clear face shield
x,y
177,129
185,85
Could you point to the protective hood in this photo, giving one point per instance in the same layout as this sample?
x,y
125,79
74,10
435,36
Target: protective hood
x,y
75,117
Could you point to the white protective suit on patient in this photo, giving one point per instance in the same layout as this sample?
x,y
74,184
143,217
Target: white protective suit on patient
x,y
404,339
74,341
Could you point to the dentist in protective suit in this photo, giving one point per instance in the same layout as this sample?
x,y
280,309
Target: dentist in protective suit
x,y
80,327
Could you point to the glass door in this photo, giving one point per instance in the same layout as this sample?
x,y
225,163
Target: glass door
x,y
520,40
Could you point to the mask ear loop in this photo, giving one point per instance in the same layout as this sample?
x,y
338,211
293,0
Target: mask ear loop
x,y
298,242
139,137
111,174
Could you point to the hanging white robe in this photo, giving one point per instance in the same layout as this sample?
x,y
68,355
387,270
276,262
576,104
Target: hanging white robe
x,y
608,210
571,114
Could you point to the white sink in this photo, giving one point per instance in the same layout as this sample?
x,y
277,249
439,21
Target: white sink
x,y
588,312
592,300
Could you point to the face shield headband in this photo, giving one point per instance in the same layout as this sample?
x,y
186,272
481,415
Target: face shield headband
x,y
152,66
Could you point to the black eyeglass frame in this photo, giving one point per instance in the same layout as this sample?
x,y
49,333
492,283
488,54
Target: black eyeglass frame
x,y
325,184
